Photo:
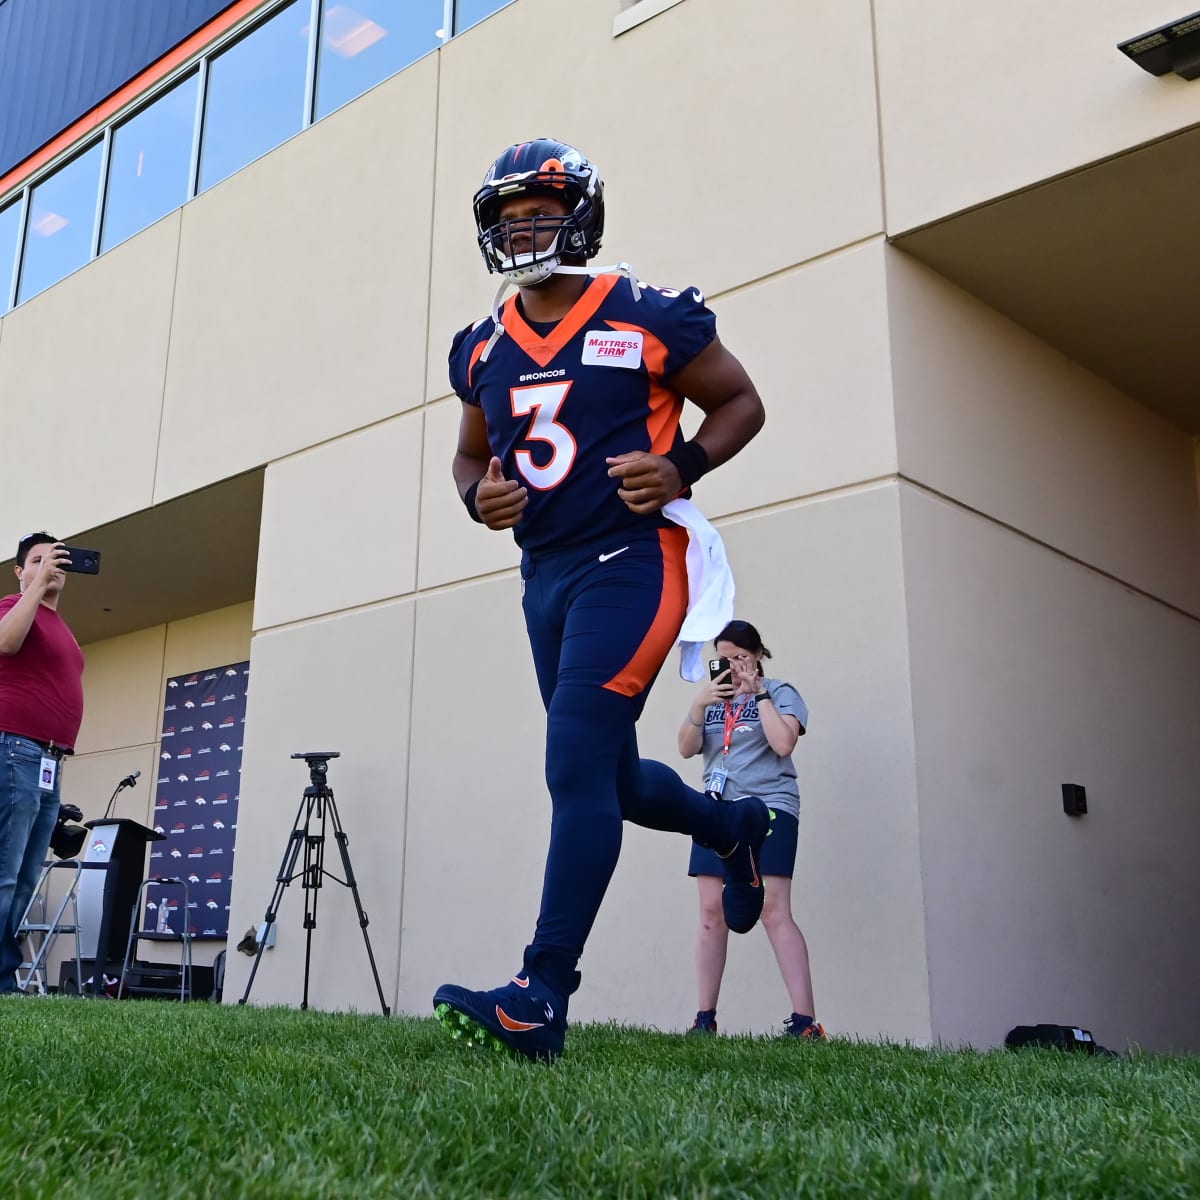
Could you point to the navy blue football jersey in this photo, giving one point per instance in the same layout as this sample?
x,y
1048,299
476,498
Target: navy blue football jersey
x,y
560,399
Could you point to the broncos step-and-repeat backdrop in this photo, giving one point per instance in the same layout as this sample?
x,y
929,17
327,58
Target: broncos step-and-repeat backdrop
x,y
196,804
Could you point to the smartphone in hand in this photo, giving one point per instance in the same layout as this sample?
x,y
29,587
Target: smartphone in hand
x,y
717,666
85,562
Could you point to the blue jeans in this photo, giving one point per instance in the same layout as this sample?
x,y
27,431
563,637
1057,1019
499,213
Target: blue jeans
x,y
27,818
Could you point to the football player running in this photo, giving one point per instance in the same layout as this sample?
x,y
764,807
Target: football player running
x,y
569,436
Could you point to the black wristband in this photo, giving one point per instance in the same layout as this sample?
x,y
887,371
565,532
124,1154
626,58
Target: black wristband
x,y
690,459
469,500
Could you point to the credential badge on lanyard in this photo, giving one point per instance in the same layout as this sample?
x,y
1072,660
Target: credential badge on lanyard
x,y
719,776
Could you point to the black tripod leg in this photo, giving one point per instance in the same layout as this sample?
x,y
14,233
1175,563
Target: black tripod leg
x,y
343,843
314,868
285,876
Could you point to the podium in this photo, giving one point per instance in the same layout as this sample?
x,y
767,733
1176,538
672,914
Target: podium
x,y
114,864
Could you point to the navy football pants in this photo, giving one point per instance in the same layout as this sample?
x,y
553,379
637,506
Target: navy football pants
x,y
600,632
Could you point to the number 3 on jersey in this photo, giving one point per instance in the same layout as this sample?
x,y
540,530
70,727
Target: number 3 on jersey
x,y
544,400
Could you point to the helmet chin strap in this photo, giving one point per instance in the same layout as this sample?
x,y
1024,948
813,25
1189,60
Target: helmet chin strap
x,y
622,268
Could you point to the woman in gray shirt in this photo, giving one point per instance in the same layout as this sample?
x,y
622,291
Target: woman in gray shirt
x,y
746,725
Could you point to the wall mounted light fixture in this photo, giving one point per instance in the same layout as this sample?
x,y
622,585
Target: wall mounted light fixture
x,y
1174,47
1074,799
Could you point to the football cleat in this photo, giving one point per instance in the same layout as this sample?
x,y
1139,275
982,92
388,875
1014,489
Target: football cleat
x,y
742,896
799,1026
523,1016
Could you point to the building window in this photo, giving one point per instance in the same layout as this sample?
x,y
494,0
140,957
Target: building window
x,y
635,12
62,220
365,41
149,162
10,232
471,12
255,94
255,90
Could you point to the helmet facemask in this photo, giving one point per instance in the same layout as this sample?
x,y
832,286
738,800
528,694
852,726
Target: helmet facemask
x,y
551,240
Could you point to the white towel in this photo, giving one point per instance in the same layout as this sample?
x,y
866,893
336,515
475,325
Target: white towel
x,y
710,587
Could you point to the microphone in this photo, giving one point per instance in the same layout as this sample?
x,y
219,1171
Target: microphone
x,y
128,781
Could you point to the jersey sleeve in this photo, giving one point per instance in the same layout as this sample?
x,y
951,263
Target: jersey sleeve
x,y
684,324
787,700
7,603
461,353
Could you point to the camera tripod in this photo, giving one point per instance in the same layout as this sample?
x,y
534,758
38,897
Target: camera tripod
x,y
317,802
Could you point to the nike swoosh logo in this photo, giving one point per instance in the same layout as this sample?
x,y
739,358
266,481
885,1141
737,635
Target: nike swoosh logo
x,y
521,983
697,296
613,554
516,1026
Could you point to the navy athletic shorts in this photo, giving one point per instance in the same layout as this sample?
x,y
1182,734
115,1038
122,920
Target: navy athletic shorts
x,y
778,855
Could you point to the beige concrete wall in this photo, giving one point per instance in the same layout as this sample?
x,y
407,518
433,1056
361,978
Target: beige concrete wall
x,y
980,100
817,344
315,292
81,376
331,669
477,798
340,683
122,692
1030,671
994,418
300,303
687,144
339,524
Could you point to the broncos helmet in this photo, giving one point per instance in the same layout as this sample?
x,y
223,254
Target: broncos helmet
x,y
549,167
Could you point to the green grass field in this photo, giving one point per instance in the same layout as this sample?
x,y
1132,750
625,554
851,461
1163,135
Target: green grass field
x,y
152,1099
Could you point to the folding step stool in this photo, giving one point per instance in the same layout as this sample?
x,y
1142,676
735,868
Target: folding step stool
x,y
35,928
157,979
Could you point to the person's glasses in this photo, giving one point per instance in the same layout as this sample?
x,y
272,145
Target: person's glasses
x,y
30,540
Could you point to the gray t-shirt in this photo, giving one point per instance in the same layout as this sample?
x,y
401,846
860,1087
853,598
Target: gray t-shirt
x,y
753,768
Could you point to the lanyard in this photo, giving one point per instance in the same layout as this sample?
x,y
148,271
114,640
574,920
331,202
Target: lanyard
x,y
732,715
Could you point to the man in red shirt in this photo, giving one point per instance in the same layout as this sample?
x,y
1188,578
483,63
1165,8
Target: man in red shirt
x,y
41,708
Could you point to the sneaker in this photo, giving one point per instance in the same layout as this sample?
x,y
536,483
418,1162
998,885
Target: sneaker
x,y
742,896
798,1026
705,1022
522,1016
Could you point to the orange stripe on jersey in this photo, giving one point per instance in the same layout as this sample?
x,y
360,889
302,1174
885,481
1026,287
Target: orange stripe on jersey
x,y
635,676
474,359
666,404
543,350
